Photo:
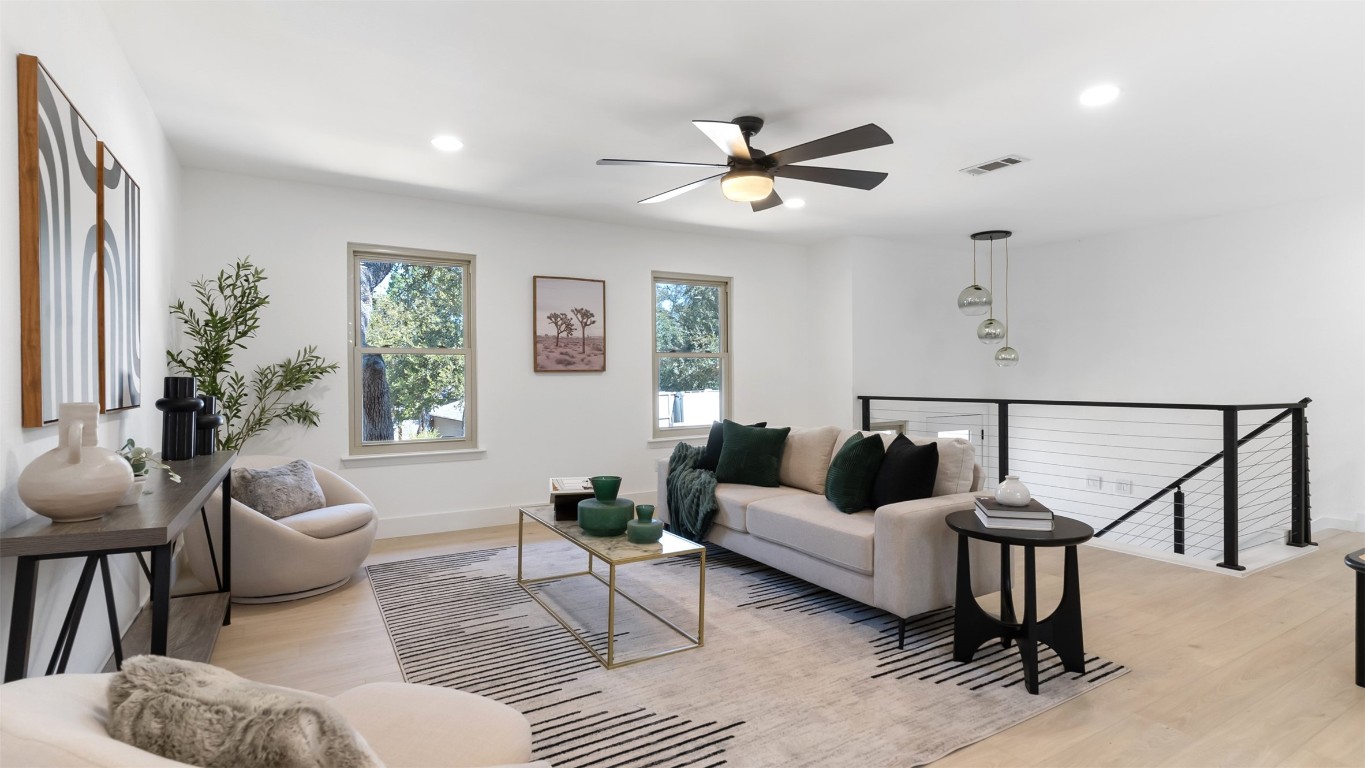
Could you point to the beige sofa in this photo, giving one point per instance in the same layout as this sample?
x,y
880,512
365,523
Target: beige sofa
x,y
62,721
900,558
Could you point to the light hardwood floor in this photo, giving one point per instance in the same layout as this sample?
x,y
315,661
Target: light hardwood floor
x,y
1225,671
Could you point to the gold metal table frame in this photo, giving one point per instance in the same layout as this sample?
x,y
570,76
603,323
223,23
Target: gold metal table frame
x,y
614,551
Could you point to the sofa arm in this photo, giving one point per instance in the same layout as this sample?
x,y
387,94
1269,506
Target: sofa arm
x,y
915,556
661,500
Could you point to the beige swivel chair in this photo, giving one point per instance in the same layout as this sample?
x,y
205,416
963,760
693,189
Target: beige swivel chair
x,y
294,557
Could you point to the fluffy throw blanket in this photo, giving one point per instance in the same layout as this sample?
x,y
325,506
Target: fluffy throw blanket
x,y
691,493
202,715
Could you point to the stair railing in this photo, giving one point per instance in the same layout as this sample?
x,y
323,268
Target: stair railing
x,y
1300,532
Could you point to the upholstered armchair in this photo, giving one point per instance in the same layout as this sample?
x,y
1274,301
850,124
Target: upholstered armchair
x,y
294,557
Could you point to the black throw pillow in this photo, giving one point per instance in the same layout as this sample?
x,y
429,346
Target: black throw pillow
x,y
908,472
751,455
711,456
849,482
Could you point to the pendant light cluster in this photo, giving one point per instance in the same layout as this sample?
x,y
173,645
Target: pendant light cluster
x,y
975,301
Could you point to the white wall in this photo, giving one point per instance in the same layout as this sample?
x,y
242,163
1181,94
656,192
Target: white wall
x,y
1254,307
533,426
74,42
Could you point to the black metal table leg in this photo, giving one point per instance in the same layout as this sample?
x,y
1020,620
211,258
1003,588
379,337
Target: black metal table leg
x,y
21,618
66,637
1360,628
161,598
1028,639
113,614
1062,630
227,544
1007,614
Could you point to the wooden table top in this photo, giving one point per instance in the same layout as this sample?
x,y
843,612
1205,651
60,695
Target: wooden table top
x,y
156,519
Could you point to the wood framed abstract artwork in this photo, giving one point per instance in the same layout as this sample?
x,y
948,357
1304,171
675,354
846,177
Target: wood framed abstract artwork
x,y
569,324
120,292
59,248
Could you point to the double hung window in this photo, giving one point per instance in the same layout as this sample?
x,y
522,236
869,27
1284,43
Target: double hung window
x,y
412,350
691,353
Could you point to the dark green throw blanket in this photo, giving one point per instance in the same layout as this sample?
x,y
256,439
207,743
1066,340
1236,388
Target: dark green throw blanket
x,y
691,493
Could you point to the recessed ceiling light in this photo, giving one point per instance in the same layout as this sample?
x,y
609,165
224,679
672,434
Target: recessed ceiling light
x,y
446,143
1099,95
794,202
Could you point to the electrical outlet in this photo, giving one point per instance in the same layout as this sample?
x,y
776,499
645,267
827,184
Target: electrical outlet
x,y
1124,487
1095,482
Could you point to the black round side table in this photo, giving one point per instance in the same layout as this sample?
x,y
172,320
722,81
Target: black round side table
x,y
1062,630
1356,560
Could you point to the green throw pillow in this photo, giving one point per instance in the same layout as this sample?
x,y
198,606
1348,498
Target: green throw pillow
x,y
853,472
751,455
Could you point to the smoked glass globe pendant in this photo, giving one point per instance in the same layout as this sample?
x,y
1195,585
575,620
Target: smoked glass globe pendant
x,y
991,331
974,300
1006,357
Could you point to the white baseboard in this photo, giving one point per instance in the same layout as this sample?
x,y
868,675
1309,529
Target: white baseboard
x,y
468,519
1339,523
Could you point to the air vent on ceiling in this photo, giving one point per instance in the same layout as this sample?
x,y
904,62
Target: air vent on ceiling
x,y
994,165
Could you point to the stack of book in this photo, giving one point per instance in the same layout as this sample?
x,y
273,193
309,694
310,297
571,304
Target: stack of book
x,y
566,492
993,514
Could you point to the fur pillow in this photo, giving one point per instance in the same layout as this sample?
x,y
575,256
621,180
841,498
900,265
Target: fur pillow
x,y
202,715
280,491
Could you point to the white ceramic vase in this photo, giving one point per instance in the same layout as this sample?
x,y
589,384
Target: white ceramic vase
x,y
77,480
1012,493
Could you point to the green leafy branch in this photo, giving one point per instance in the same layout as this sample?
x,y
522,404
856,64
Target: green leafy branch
x,y
229,313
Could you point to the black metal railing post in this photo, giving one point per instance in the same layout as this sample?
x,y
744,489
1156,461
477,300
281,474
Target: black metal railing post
x,y
867,413
1002,436
1301,526
1230,510
1178,521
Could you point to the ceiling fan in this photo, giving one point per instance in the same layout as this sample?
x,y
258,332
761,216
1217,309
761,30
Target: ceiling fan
x,y
751,171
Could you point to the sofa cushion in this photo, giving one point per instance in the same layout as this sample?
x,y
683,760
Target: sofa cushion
x,y
203,715
710,457
751,455
278,492
956,460
809,524
330,521
908,472
805,459
849,482
733,499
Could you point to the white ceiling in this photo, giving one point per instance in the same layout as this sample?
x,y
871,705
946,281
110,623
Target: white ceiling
x,y
1226,106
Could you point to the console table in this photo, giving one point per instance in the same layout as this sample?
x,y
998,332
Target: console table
x,y
152,525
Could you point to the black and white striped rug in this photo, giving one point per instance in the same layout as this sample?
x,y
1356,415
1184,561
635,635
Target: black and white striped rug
x,y
791,674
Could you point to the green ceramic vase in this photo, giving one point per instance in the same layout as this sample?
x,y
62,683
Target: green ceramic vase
x,y
604,518
605,487
644,529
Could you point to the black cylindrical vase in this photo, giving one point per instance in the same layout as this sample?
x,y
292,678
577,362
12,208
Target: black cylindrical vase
x,y
178,427
207,423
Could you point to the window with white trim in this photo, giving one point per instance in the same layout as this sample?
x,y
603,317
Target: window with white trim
x,y
691,353
412,350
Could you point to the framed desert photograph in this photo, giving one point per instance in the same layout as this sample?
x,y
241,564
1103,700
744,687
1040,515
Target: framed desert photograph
x,y
570,324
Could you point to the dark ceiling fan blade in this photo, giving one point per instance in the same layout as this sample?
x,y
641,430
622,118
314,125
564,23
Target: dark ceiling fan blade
x,y
843,177
727,136
771,201
610,161
679,190
852,140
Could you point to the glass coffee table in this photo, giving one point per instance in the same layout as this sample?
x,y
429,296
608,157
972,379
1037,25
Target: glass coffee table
x,y
613,551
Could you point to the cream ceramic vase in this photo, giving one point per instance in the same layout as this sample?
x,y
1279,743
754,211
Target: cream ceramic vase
x,y
1012,493
77,480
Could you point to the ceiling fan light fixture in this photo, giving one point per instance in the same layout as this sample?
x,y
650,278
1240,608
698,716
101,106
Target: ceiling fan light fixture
x,y
746,185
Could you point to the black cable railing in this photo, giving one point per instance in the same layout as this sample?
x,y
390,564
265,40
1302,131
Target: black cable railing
x,y
1208,487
